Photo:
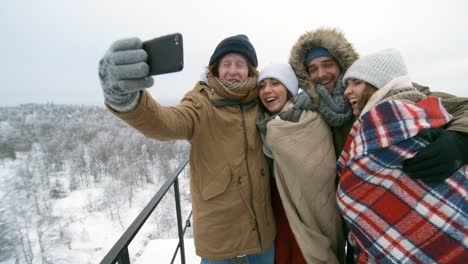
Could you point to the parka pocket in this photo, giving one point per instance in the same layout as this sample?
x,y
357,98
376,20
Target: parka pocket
x,y
218,185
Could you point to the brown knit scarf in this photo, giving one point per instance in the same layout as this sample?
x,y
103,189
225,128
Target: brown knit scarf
x,y
243,91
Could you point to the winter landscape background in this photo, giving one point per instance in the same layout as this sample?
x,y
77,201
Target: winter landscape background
x,y
72,178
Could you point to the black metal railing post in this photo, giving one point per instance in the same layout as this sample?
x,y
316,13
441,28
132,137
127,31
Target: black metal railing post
x,y
124,258
179,224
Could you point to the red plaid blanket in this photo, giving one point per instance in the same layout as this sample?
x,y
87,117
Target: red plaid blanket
x,y
394,219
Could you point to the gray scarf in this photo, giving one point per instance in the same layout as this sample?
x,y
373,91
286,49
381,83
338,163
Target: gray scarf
x,y
334,106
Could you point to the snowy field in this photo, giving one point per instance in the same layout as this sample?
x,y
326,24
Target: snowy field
x,y
161,251
90,233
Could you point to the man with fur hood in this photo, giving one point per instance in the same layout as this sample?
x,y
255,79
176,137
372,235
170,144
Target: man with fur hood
x,y
321,57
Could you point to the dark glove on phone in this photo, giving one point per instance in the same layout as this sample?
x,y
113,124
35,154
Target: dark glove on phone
x,y
123,72
302,101
446,153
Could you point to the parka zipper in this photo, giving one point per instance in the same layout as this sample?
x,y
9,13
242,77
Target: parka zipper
x,y
243,107
246,151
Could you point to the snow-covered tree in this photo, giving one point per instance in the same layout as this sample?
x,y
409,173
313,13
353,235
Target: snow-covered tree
x,y
7,151
8,240
58,190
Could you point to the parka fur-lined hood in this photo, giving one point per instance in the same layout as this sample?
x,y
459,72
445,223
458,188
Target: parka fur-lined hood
x,y
330,38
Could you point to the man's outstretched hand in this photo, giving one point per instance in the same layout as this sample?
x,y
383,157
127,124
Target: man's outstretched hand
x,y
123,72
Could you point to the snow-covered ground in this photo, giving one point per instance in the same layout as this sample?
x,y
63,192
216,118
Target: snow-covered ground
x,y
162,250
90,232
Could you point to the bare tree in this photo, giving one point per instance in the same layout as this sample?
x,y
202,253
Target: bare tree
x,y
79,166
8,240
113,200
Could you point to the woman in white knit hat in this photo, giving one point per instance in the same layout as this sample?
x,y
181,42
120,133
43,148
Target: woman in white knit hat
x,y
394,218
308,223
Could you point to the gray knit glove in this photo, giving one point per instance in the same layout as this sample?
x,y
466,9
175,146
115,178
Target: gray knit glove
x,y
302,101
334,106
123,72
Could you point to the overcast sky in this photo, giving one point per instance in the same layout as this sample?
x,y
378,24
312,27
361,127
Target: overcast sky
x,y
50,48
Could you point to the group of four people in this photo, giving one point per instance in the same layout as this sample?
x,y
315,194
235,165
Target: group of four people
x,y
263,157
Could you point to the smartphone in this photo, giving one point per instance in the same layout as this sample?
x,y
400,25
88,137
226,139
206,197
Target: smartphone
x,y
165,54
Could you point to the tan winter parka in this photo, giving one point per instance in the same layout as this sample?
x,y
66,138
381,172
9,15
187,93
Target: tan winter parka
x,y
229,184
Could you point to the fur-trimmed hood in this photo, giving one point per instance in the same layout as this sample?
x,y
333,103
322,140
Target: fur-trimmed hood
x,y
330,38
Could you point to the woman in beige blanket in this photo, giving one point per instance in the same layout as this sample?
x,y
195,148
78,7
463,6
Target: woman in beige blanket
x,y
300,149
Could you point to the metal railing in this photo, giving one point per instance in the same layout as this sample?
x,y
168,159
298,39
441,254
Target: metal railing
x,y
119,252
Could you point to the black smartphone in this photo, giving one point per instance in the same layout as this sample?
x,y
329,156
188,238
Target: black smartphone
x,y
165,54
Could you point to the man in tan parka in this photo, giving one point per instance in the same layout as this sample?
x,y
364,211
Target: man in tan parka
x,y
321,57
229,183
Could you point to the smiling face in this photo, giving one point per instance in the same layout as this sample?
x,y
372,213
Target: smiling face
x,y
325,71
233,67
358,93
273,95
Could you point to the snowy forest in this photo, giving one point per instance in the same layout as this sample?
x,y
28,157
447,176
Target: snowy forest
x,y
72,178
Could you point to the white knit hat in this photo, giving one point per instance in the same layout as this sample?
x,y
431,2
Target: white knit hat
x,y
377,68
283,73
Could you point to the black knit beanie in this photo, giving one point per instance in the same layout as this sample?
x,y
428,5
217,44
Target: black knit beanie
x,y
235,44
